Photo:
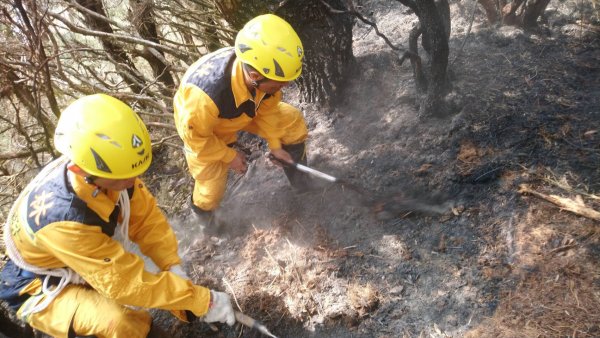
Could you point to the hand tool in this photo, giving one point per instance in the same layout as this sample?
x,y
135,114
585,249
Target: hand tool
x,y
253,324
390,205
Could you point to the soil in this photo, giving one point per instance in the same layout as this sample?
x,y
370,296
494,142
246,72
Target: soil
x,y
489,261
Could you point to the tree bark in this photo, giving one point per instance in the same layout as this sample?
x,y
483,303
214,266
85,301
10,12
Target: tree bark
x,y
430,80
533,10
142,14
436,30
327,40
326,37
520,13
129,71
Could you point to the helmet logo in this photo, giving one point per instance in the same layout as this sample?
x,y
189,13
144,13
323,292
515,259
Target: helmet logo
x,y
100,164
136,141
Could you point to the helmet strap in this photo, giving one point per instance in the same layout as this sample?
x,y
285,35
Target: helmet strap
x,y
90,180
248,70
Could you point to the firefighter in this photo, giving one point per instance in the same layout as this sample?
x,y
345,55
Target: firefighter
x,y
239,89
69,272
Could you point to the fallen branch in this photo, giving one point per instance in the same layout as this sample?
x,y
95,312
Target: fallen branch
x,y
161,125
575,206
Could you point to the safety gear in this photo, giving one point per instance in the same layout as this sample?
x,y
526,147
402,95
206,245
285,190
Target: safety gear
x,y
82,311
220,309
104,137
211,105
271,46
60,223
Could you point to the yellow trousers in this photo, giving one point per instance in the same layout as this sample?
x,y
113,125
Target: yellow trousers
x,y
89,313
211,177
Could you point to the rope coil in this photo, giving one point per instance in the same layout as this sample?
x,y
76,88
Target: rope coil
x,y
66,275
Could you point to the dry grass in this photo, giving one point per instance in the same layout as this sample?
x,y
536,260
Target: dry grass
x,y
558,274
558,301
363,298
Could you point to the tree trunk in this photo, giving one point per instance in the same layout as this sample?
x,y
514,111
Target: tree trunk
x,y
520,13
326,37
430,80
490,7
436,30
143,19
533,10
119,56
327,40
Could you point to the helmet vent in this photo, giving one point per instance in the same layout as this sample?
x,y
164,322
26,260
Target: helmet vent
x,y
107,138
278,69
283,50
244,48
100,164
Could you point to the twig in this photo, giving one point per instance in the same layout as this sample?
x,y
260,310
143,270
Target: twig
x,y
232,294
562,248
568,188
462,46
161,125
162,140
352,11
574,206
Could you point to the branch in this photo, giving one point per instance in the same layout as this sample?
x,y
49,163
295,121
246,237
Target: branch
x,y
163,140
575,206
352,11
20,154
38,46
161,125
118,37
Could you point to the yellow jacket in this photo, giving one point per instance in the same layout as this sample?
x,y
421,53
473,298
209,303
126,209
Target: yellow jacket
x,y
60,224
213,103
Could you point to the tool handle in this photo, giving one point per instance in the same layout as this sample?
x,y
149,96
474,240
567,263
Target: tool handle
x,y
244,319
305,169
252,323
316,173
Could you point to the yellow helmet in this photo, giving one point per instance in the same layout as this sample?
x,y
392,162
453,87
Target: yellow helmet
x,y
104,137
271,46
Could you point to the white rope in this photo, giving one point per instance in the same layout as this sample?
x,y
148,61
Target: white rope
x,y
123,234
65,275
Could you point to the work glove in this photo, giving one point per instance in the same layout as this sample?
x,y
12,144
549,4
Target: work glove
x,y
220,309
178,270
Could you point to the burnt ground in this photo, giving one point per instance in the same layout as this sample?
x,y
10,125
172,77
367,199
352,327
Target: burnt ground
x,y
495,263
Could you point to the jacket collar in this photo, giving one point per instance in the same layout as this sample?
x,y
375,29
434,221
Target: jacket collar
x,y
103,204
241,93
